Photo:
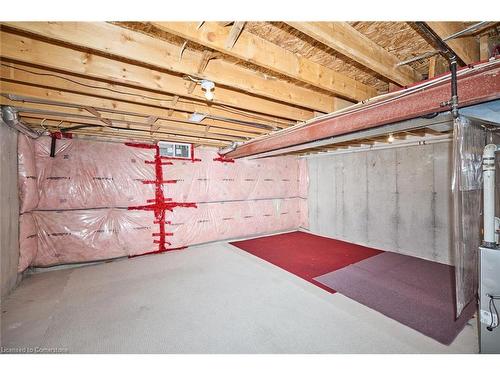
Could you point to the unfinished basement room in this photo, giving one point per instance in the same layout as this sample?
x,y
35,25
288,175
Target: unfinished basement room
x,y
250,187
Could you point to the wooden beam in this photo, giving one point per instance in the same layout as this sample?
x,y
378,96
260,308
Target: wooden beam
x,y
74,116
112,108
137,134
96,114
71,115
467,48
345,39
437,66
134,46
60,81
27,50
484,52
339,103
261,52
174,103
151,122
205,58
161,130
235,32
432,66
85,101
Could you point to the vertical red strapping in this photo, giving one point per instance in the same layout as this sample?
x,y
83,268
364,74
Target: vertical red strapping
x,y
160,204
159,212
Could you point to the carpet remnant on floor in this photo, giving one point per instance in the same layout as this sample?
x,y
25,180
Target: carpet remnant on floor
x,y
416,292
306,255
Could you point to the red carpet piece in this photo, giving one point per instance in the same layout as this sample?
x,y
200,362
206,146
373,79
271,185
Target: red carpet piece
x,y
306,255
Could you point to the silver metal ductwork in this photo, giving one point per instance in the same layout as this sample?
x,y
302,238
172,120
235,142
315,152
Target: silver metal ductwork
x,y
11,118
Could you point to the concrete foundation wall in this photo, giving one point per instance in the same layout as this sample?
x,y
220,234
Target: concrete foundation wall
x,y
9,209
396,199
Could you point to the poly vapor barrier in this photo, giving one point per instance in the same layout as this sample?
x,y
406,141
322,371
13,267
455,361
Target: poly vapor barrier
x,y
101,200
468,144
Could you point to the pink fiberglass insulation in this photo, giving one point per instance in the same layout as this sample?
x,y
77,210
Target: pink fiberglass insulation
x,y
87,235
74,236
303,178
225,220
28,189
215,181
28,241
86,174
80,201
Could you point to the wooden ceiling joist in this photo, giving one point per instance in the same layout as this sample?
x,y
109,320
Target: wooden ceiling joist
x,y
142,135
102,104
94,112
175,108
345,39
234,34
160,54
261,52
467,48
106,109
26,50
74,116
161,130
175,99
140,80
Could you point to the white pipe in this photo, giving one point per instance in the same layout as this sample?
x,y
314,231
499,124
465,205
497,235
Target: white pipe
x,y
489,194
497,230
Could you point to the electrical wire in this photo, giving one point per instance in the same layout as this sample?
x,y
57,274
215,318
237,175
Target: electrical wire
x,y
242,113
78,127
257,117
494,323
83,84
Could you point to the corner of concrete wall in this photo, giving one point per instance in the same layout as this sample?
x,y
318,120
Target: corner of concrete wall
x,y
9,210
396,199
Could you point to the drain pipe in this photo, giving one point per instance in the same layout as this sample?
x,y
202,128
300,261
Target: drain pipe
x,y
489,226
11,118
453,61
454,90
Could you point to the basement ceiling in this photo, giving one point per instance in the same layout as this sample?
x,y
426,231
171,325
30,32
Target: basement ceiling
x,y
141,80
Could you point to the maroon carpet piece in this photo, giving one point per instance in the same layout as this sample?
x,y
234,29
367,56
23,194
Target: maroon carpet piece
x,y
416,292
306,255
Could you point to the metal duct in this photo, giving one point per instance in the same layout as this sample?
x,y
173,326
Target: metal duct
x,y
11,118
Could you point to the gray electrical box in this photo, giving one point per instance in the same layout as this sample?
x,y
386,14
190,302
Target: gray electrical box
x,y
489,284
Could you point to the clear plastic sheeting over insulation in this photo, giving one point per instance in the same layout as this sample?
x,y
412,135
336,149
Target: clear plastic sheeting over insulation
x,y
92,200
83,174
72,236
468,144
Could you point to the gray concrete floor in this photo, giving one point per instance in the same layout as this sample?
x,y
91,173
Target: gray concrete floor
x,y
212,298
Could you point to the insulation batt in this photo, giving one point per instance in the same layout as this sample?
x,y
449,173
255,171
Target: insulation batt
x,y
28,188
28,241
85,174
73,236
78,206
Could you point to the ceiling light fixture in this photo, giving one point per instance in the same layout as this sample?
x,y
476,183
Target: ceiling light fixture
x,y
208,87
197,117
390,139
